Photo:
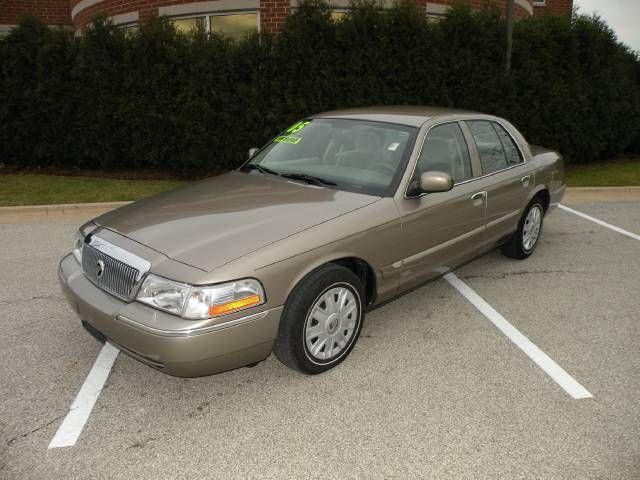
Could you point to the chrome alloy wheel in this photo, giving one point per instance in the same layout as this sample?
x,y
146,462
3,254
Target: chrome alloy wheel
x,y
331,323
531,228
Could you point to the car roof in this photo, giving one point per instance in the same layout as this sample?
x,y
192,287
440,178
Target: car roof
x,y
410,115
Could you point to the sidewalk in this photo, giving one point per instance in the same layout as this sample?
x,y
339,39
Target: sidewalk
x,y
601,194
44,213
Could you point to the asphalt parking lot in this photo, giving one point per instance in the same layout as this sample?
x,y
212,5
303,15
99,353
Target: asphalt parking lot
x,y
432,390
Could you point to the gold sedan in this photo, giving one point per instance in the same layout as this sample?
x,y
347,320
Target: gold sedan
x,y
340,212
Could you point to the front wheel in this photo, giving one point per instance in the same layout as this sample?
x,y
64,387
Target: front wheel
x,y
321,321
523,242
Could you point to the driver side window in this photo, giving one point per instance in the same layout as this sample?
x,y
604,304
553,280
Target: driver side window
x,y
445,150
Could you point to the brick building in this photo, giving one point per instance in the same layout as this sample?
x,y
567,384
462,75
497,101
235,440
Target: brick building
x,y
552,7
229,17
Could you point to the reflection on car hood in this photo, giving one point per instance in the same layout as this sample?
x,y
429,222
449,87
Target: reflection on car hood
x,y
218,220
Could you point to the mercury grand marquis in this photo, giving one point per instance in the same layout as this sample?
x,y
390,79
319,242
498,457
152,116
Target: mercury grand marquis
x,y
339,213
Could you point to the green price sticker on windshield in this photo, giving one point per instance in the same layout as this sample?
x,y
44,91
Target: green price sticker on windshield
x,y
288,139
289,136
296,127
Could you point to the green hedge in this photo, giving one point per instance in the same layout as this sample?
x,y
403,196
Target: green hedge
x,y
194,104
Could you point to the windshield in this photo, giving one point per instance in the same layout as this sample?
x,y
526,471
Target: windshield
x,y
354,155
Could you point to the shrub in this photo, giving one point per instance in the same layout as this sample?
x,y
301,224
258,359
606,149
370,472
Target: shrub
x,y
194,104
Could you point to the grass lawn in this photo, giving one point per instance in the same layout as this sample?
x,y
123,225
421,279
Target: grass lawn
x,y
622,173
52,189
34,189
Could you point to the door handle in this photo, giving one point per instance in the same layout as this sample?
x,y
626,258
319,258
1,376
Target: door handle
x,y
477,198
525,180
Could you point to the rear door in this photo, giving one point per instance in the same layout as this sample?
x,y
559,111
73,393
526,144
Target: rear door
x,y
440,230
504,178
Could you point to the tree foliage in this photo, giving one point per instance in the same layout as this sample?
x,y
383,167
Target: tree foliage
x,y
194,104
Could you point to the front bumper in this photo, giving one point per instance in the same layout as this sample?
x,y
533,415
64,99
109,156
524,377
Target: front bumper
x,y
161,340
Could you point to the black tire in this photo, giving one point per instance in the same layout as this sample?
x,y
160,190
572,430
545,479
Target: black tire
x,y
515,246
290,346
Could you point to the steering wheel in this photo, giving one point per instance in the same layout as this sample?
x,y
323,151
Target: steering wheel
x,y
383,167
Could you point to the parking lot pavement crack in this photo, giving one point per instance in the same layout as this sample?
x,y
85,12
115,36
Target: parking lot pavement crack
x,y
19,301
503,275
14,439
142,443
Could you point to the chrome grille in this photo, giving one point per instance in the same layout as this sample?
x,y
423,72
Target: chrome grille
x,y
116,277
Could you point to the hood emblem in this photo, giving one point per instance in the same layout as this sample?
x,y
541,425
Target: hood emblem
x,y
99,269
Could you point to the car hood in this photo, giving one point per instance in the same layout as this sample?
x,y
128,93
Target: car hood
x,y
216,221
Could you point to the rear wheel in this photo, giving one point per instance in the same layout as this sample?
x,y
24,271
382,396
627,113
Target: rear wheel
x,y
523,242
321,321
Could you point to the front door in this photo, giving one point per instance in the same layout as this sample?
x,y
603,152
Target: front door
x,y
440,230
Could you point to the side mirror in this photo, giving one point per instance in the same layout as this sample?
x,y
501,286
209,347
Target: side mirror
x,y
432,182
253,151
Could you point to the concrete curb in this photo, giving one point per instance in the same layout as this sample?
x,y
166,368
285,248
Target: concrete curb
x,y
602,194
62,209
29,211
602,190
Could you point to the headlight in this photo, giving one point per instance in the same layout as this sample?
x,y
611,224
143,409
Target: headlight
x,y
195,302
78,242
215,300
163,294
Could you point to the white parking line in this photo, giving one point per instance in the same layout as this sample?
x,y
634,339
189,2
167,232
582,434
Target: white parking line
x,y
73,423
600,222
555,371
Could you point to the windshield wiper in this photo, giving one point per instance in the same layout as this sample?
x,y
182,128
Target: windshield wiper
x,y
308,178
260,168
293,176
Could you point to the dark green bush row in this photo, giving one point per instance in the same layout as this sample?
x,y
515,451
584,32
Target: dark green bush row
x,y
195,104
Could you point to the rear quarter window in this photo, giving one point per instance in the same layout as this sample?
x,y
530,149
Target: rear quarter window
x,y
511,150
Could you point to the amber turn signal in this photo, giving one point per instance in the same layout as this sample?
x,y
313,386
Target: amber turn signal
x,y
235,305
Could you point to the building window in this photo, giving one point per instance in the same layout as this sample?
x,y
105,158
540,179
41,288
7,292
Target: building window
x,y
435,17
539,3
232,25
189,25
6,30
129,28
236,26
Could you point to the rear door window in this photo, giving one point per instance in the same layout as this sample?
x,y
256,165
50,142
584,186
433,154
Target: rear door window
x,y
492,156
496,148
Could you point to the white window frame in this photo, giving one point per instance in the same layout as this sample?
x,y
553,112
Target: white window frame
x,y
216,13
6,29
